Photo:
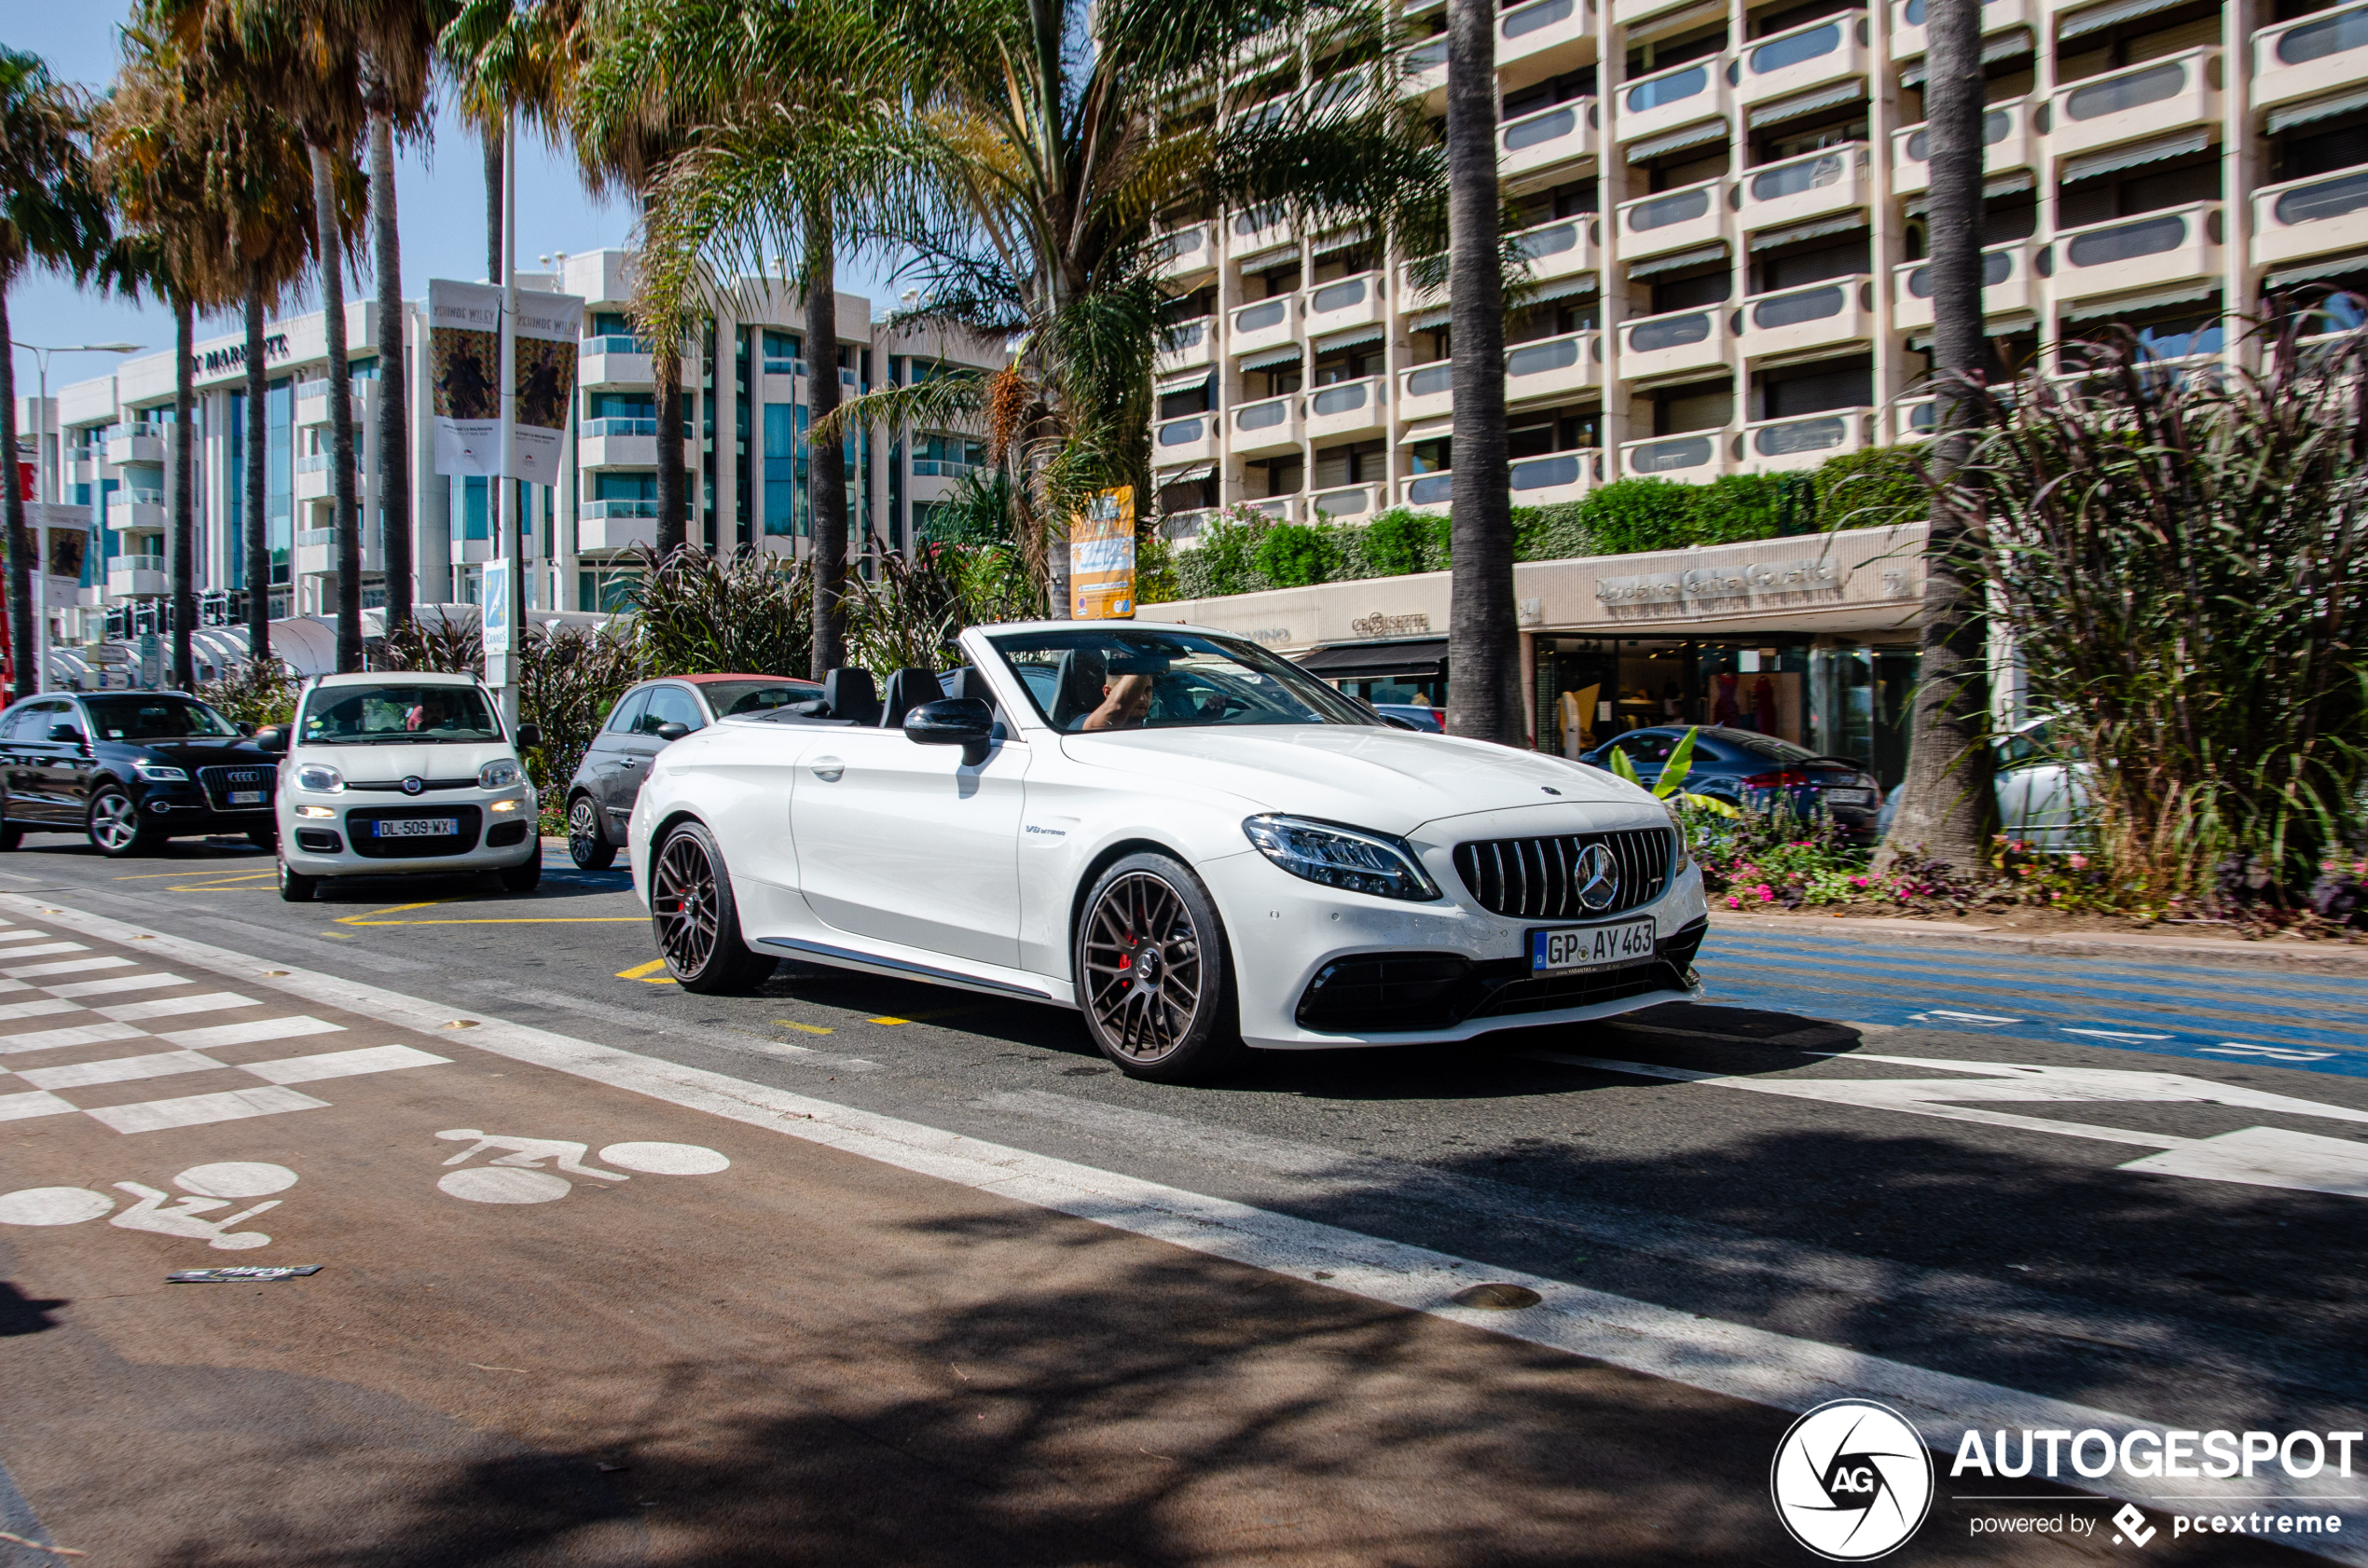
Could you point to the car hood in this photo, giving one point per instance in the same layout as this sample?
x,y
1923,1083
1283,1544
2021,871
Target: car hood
x,y
195,752
1391,780
392,763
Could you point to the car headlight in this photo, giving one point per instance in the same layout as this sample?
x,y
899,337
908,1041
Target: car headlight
x,y
320,779
499,775
1342,857
1677,827
157,773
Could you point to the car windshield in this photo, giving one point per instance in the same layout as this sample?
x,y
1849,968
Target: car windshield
x,y
728,697
363,715
155,719
1767,746
1132,678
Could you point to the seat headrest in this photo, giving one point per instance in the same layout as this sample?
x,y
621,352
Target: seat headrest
x,y
1077,688
907,689
971,681
851,695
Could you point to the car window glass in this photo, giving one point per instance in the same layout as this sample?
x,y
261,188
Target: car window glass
x,y
64,715
156,718
416,714
20,722
1647,748
1767,746
756,697
1140,679
628,712
671,705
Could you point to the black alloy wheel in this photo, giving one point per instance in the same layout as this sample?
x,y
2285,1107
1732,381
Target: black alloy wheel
x,y
1152,973
695,918
115,826
588,846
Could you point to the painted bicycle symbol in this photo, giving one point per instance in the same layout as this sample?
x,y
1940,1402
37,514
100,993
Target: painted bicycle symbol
x,y
518,1174
190,1217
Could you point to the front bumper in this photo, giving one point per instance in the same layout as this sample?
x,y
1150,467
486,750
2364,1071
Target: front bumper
x,y
345,843
1285,933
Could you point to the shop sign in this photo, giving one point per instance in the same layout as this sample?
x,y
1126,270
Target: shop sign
x,y
1391,626
1701,584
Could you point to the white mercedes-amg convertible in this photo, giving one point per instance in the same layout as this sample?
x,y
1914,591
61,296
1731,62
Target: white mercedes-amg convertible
x,y
1185,838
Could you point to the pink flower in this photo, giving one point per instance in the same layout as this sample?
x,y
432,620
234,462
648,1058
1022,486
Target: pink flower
x,y
2080,862
1767,894
1734,902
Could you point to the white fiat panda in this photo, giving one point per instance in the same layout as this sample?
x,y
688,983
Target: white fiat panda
x,y
390,774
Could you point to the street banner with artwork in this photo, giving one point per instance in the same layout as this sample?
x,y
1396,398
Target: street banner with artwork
x,y
544,339
465,357
1102,558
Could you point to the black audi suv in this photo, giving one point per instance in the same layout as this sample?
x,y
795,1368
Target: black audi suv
x,y
130,769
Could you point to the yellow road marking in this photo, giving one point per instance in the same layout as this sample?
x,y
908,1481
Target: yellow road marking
x,y
218,881
922,1017
372,918
651,973
803,1028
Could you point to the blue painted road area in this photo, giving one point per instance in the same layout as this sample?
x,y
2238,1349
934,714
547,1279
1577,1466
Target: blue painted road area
x,y
2172,1005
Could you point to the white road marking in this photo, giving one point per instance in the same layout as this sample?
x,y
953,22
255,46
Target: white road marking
x,y
342,1064
150,1214
37,949
43,1008
490,1183
17,1108
667,1158
80,1033
1943,1015
21,933
235,1178
2256,1156
64,966
2116,1034
152,1116
169,1007
1778,1371
121,1069
52,1205
114,984
248,1034
2272,1052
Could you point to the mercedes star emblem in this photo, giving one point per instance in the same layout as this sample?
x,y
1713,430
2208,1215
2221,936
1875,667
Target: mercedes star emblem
x,y
1598,878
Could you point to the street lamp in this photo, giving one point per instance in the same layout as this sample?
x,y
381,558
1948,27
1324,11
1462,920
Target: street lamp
x,y
41,352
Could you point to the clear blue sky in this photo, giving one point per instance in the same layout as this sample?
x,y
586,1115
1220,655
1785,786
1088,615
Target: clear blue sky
x,y
439,193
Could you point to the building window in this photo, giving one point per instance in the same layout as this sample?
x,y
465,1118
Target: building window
x,y
784,468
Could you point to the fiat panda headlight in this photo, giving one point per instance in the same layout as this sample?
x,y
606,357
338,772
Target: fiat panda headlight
x,y
501,775
320,779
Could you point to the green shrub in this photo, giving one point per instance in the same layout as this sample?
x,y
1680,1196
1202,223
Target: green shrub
x,y
1397,543
1627,516
1871,488
1296,555
1552,534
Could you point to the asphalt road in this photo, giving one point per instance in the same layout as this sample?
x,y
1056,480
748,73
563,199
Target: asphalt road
x,y
989,1301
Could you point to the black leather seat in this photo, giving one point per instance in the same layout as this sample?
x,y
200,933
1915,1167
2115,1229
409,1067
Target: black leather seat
x,y
970,681
907,689
851,696
1076,686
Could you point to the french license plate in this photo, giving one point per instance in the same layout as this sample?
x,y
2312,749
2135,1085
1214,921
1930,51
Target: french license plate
x,y
1570,949
419,826
246,797
1850,797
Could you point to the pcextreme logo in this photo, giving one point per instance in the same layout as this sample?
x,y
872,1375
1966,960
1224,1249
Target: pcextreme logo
x,y
1852,1480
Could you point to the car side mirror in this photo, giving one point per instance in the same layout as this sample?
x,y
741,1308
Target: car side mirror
x,y
672,731
64,735
271,738
529,735
964,722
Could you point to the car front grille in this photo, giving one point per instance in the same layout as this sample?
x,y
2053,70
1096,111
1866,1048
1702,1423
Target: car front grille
x,y
220,782
1538,879
1404,992
367,843
395,785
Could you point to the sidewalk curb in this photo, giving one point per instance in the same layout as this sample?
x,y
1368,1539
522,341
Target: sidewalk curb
x,y
2271,953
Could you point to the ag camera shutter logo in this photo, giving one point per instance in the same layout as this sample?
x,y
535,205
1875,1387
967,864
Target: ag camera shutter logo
x,y
1852,1480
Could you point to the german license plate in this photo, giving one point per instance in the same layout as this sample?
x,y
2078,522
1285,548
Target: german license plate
x,y
246,797
1850,797
419,826
1573,949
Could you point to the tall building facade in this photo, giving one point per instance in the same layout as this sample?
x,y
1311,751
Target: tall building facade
x,y
745,377
1724,217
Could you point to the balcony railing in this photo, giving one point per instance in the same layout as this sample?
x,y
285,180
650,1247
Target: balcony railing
x,y
2309,56
2308,217
1541,25
1552,135
1556,477
1674,219
619,425
1266,313
2166,94
627,507
1186,433
1343,398
2107,256
1427,490
1354,501
1808,56
1666,100
1701,455
619,343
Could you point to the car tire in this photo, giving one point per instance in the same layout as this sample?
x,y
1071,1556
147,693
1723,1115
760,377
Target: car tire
x,y
695,919
1149,913
10,836
588,846
294,886
264,838
525,877
114,825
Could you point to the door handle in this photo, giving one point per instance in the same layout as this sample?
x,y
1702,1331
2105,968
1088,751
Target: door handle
x,y
828,769
629,761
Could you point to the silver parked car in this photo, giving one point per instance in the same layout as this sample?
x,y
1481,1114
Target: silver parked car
x,y
2043,789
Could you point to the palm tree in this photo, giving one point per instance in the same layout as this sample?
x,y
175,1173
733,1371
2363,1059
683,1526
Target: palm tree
x,y
533,59
1946,807
342,71
152,145
1483,646
1023,154
52,217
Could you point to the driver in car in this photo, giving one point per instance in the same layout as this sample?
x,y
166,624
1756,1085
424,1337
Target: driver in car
x,y
429,715
1125,699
